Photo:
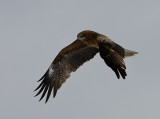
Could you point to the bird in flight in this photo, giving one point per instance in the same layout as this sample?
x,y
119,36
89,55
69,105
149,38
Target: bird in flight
x,y
70,58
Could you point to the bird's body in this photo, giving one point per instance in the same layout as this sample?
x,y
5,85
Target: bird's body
x,y
70,58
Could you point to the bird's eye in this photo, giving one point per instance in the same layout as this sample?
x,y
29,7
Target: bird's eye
x,y
83,36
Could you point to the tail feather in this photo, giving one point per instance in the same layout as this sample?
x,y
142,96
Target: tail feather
x,y
129,53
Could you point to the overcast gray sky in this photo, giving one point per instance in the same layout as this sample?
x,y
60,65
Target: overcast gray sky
x,y
32,32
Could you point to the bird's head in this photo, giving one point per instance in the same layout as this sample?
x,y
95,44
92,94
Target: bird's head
x,y
87,34
88,37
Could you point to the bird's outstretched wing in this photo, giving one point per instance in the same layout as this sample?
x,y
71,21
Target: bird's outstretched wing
x,y
113,55
68,60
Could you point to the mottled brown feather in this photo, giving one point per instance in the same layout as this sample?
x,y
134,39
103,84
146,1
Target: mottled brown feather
x,y
68,60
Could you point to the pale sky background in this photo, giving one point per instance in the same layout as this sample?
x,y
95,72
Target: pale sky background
x,y
32,32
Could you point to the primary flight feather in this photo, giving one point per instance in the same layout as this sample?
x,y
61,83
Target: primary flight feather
x,y
70,58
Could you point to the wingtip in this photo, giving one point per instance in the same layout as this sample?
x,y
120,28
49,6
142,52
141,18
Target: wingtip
x,y
36,94
118,77
35,90
43,75
40,98
40,79
54,94
46,100
124,77
117,74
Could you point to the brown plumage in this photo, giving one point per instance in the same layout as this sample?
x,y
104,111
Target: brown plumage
x,y
70,58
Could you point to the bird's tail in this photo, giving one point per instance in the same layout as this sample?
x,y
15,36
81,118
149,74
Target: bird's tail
x,y
129,53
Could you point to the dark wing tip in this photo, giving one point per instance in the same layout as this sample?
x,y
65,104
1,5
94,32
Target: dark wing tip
x,y
119,71
116,72
55,92
43,75
122,72
44,86
49,93
44,91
